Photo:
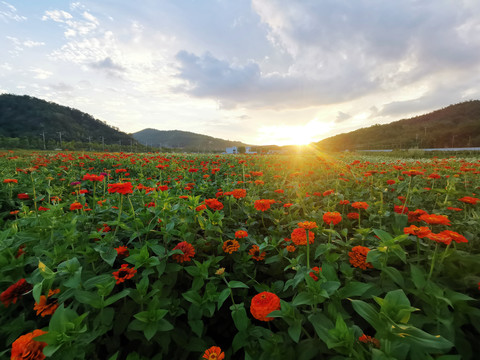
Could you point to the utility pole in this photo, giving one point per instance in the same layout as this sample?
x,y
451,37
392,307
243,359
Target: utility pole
x,y
89,143
453,139
103,143
43,135
60,134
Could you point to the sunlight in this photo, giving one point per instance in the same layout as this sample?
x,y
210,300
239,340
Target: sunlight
x,y
313,131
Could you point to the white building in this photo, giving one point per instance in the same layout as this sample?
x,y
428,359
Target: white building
x,y
234,150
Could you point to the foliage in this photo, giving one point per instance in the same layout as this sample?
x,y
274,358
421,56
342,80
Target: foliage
x,y
104,229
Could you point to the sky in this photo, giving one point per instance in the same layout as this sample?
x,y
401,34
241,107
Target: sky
x,y
258,71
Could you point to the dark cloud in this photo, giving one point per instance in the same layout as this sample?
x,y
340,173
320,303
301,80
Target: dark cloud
x,y
108,66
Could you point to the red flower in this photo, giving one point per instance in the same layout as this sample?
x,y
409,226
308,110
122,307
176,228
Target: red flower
x,y
23,196
366,339
299,236
26,348
360,205
188,252
332,218
315,272
344,202
201,207
328,192
434,219
400,209
76,206
413,216
121,188
308,225
122,252
214,204
420,232
390,182
239,193
263,304
7,181
214,353
14,292
44,307
255,253
239,234
353,216
455,236
262,204
469,200
93,177
358,257
124,273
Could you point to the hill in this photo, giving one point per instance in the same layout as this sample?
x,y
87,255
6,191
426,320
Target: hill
x,y
27,121
184,140
453,126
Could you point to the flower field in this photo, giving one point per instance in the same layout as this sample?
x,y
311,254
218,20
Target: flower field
x,y
186,256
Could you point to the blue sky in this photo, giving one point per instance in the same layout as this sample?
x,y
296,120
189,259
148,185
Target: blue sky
x,y
259,71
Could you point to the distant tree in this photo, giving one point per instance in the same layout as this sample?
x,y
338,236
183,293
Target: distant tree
x,y
241,149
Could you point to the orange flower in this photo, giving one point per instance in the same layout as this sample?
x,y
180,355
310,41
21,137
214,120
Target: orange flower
x,y
214,353
201,207
434,219
263,304
188,252
122,252
358,257
44,308
469,200
420,232
76,206
455,236
353,215
124,273
413,216
239,234
255,253
360,205
332,218
121,188
214,204
231,246
366,339
315,272
262,204
239,193
299,236
14,292
7,181
308,225
26,348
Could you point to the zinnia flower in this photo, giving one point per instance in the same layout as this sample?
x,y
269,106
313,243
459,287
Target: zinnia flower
x,y
299,236
469,200
124,273
230,246
420,232
455,236
353,216
400,209
332,218
214,204
188,252
263,304
201,207
121,188
239,193
315,272
435,219
122,251
360,205
44,307
93,177
255,253
239,234
366,339
307,225
358,257
8,181
214,353
262,204
23,196
26,348
413,216
76,206
14,292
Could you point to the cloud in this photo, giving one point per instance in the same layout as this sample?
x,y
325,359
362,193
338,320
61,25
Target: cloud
x,y
108,65
57,16
341,117
9,12
41,73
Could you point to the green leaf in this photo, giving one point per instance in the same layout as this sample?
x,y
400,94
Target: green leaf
x,y
418,276
294,330
369,313
86,297
239,316
395,275
116,297
303,298
383,235
354,288
322,325
237,284
222,297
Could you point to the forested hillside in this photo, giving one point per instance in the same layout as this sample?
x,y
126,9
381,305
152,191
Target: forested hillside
x,y
453,126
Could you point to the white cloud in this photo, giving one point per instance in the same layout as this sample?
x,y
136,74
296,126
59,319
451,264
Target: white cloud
x,y
9,12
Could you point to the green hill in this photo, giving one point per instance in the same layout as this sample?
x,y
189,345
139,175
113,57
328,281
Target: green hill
x,y
453,126
26,121
184,140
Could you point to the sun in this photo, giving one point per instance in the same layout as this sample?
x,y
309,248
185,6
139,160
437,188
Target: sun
x,y
313,131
